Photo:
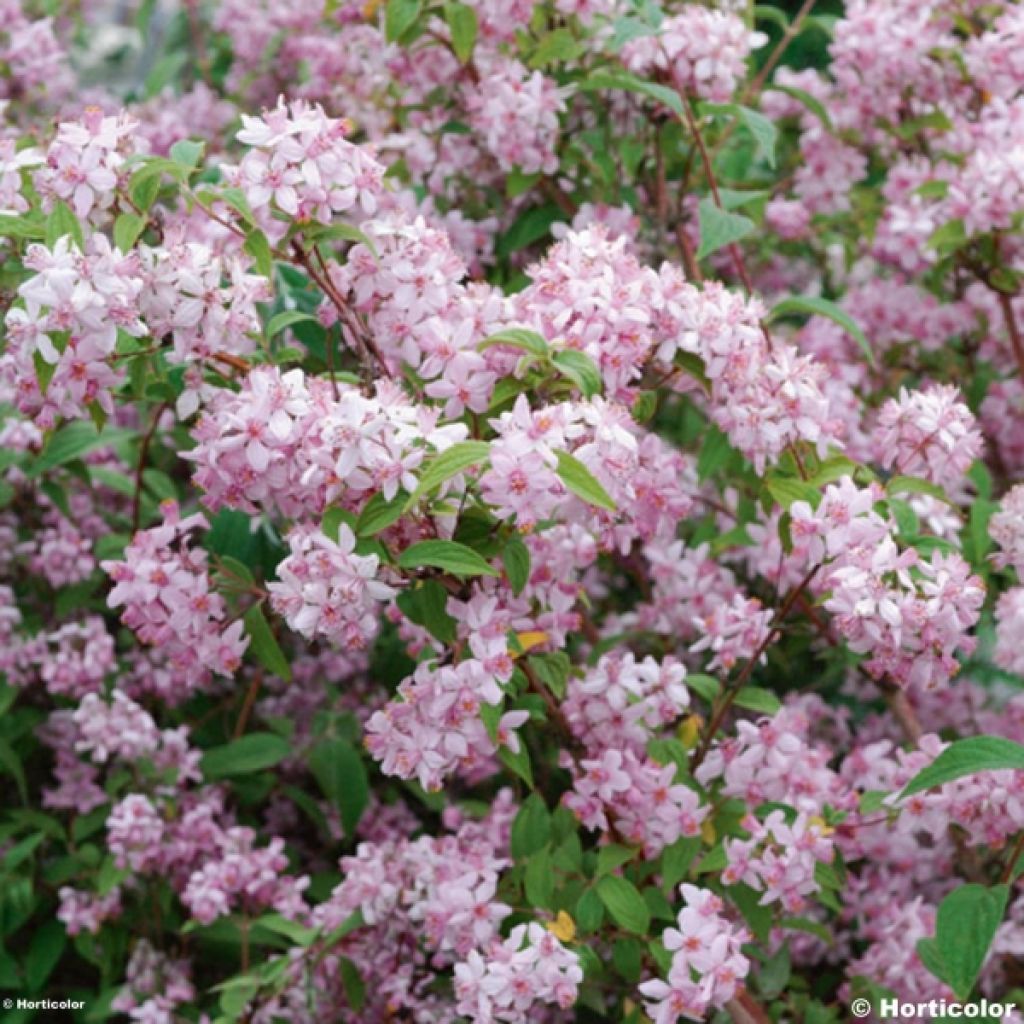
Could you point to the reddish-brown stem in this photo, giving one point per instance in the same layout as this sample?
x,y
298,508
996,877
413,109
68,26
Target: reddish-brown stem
x,y
745,1009
718,716
1006,303
247,704
792,31
1011,862
147,440
709,173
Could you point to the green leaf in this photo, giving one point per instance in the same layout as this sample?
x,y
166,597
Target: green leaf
x,y
965,926
559,45
531,827
44,952
462,25
257,246
786,490
774,974
552,670
62,222
22,227
244,756
127,229
538,880
426,605
715,453
518,762
187,153
754,698
529,227
263,644
517,337
812,103
449,555
589,911
600,80
967,757
355,987
446,465
719,228
285,319
379,513
334,518
399,17
704,686
948,237
817,306
760,127
341,774
915,485
72,441
581,370
613,856
582,482
515,556
676,860
624,902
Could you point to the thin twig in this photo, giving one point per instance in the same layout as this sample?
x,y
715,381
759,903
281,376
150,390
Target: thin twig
x,y
141,466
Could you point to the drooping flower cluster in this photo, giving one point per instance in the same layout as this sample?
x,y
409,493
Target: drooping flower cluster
x,y
928,433
75,305
703,51
164,586
707,964
327,590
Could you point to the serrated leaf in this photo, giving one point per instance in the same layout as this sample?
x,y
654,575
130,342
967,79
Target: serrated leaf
x,y
965,926
581,370
515,557
915,485
600,80
72,441
379,513
62,222
517,337
264,646
462,25
812,103
286,319
817,306
582,482
257,246
787,490
446,465
449,555
426,605
538,880
531,827
252,753
704,686
719,228
759,699
760,127
341,774
127,229
623,901
187,153
967,757
399,17
613,856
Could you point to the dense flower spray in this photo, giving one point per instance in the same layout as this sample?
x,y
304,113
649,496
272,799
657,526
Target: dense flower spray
x,y
511,512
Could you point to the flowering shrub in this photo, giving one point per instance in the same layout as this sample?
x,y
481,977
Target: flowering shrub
x,y
511,510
